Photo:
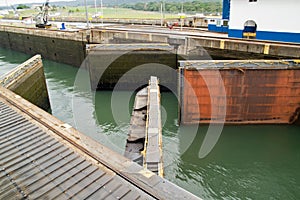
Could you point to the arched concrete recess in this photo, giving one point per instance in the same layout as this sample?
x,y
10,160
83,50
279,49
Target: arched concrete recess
x,y
249,30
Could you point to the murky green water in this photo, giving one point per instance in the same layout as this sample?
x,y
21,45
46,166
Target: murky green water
x,y
248,162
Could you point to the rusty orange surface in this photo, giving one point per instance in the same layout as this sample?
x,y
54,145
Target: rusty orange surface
x,y
252,96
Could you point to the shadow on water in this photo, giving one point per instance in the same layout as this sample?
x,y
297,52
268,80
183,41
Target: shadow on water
x,y
94,109
104,107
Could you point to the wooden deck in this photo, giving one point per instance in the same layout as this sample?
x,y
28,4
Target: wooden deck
x,y
41,157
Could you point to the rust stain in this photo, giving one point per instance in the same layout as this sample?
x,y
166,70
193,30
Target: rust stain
x,y
258,96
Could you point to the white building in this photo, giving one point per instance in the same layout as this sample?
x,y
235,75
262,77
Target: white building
x,y
265,19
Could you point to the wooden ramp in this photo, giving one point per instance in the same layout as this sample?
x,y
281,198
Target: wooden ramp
x,y
44,158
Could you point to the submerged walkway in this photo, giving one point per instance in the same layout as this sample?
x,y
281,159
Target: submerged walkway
x,y
41,157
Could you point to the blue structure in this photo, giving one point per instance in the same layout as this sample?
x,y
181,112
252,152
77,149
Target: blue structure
x,y
63,27
226,9
221,25
264,20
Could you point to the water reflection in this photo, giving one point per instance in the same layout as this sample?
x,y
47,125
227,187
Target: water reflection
x,y
9,60
254,162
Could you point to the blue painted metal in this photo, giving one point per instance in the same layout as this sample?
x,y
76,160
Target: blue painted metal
x,y
212,27
235,33
268,35
63,27
226,9
225,29
219,29
278,36
250,29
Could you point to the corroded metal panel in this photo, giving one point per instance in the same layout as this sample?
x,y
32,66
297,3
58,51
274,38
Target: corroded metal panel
x,y
255,92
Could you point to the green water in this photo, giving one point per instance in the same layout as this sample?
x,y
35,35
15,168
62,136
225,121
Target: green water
x,y
248,162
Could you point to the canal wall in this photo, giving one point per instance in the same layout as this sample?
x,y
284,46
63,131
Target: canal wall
x,y
28,81
239,92
252,48
129,66
108,20
69,46
113,20
61,46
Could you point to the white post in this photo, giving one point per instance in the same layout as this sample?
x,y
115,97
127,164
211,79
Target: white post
x,y
164,9
181,7
86,15
161,13
95,7
181,17
101,12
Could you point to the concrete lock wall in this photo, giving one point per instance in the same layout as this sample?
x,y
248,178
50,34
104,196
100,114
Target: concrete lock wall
x,y
256,92
28,81
69,46
65,47
239,47
131,65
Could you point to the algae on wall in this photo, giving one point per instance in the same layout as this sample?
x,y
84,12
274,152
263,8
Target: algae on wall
x,y
61,46
28,81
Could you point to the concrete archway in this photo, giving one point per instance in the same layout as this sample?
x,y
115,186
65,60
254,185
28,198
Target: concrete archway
x,y
249,30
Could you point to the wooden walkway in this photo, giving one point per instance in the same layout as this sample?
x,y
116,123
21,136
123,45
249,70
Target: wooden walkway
x,y
44,158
